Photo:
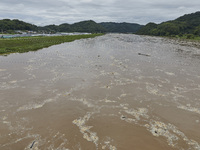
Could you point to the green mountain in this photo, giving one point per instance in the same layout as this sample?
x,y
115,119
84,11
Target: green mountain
x,y
87,26
64,27
147,29
90,26
188,24
121,27
83,26
7,24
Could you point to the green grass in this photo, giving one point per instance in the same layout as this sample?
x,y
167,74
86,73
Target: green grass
x,y
26,44
196,38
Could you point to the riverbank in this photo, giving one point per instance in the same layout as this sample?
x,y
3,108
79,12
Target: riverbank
x,y
25,44
188,37
193,42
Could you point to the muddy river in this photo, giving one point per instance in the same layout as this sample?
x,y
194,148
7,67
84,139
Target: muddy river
x,y
114,92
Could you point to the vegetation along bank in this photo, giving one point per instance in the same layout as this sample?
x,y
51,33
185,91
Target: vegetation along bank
x,y
25,44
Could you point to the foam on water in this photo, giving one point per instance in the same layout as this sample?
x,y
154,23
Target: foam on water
x,y
101,94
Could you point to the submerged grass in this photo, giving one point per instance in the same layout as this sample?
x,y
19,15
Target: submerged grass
x,y
25,44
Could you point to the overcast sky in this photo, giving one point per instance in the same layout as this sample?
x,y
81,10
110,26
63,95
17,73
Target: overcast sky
x,y
44,12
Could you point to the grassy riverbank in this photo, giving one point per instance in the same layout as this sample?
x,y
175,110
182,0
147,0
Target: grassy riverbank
x,y
189,37
25,44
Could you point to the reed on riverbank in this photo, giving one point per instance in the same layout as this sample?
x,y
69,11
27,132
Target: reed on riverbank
x,y
25,44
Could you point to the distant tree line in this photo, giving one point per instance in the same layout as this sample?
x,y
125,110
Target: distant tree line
x,y
121,27
11,25
187,25
7,25
83,26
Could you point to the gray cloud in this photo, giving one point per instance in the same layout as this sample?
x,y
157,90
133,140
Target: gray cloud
x,y
43,12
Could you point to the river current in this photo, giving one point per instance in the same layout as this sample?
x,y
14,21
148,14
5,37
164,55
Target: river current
x,y
113,92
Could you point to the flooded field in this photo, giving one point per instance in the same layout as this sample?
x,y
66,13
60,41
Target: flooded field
x,y
114,92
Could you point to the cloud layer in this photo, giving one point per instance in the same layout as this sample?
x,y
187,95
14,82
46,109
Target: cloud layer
x,y
44,12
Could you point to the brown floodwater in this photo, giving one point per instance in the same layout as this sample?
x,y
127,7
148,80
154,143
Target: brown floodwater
x,y
114,92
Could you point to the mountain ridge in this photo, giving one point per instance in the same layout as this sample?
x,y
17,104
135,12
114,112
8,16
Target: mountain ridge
x,y
186,25
82,26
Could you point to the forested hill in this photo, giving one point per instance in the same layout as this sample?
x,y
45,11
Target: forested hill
x,y
83,26
7,25
121,27
187,25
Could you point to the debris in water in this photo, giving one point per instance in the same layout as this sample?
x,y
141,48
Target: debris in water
x,y
123,117
32,144
143,54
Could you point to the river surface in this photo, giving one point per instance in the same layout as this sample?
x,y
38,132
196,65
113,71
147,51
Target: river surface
x,y
114,92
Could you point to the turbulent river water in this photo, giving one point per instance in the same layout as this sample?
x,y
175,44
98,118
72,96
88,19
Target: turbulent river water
x,y
114,92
